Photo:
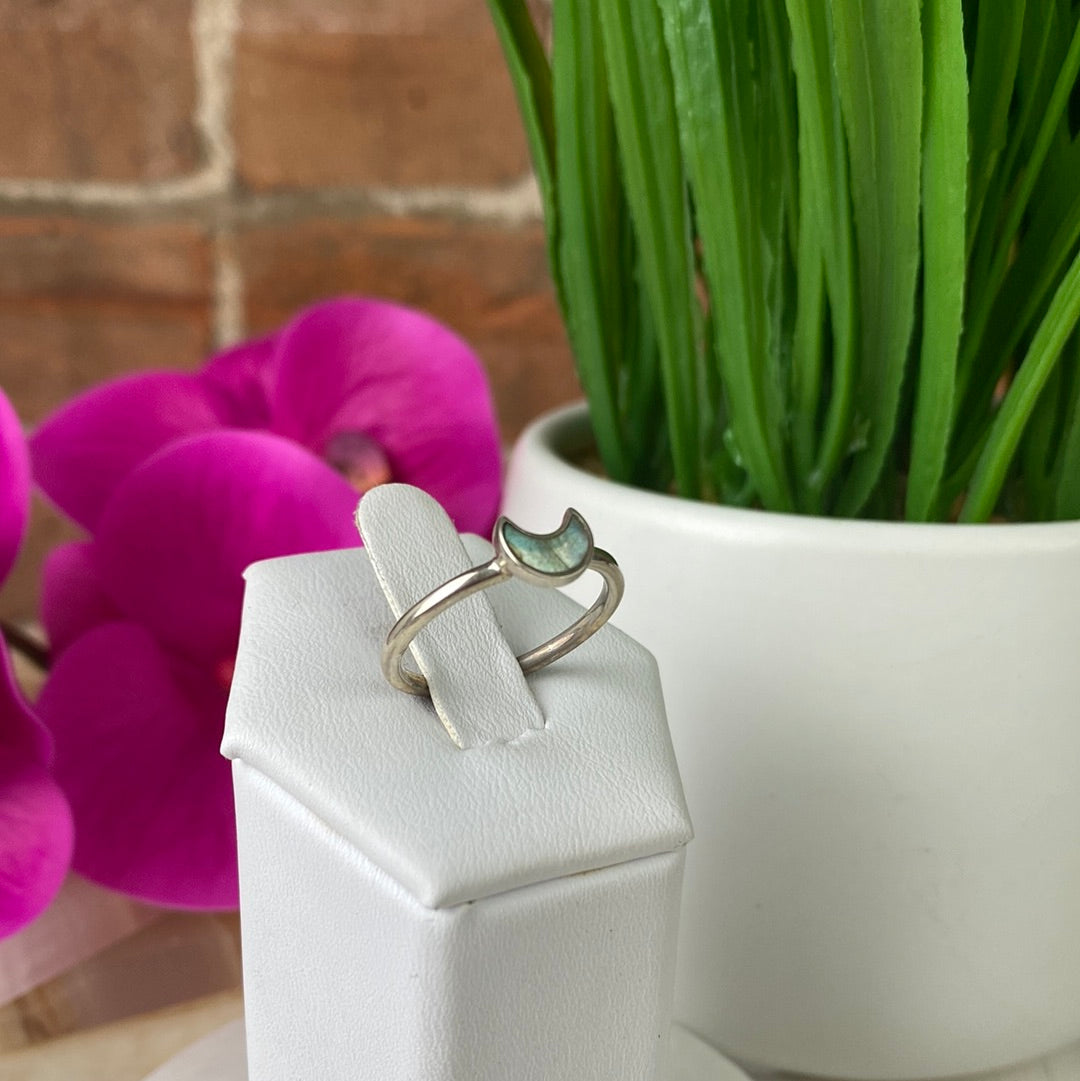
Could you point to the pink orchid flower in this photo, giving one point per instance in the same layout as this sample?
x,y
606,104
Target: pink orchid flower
x,y
183,481
35,821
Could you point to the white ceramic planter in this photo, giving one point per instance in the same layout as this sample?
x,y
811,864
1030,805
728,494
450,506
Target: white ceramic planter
x,y
878,727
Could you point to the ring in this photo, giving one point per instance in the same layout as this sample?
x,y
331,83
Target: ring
x,y
547,559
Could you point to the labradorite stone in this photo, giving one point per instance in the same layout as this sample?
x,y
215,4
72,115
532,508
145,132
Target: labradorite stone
x,y
564,551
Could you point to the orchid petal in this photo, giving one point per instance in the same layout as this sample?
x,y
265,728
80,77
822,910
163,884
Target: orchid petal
x,y
241,379
14,486
73,599
137,755
87,447
404,380
35,839
176,537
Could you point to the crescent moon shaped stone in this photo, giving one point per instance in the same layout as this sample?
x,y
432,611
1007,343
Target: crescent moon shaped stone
x,y
568,549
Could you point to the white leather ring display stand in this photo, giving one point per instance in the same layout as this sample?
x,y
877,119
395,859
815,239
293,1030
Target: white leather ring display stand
x,y
220,1057
478,887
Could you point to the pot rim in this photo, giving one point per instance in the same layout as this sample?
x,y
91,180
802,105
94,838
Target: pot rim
x,y
553,434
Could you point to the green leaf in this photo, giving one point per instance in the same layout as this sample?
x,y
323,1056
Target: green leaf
x,y
825,234
777,63
588,246
1008,428
988,285
1036,266
1044,251
644,108
531,75
997,53
807,358
879,72
644,423
1029,103
944,187
719,133
1067,469
1036,450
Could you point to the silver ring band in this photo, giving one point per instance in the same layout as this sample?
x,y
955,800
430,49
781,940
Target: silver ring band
x,y
552,560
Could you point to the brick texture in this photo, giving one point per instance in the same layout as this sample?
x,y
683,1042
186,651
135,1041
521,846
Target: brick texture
x,y
453,18
96,89
375,93
81,302
487,282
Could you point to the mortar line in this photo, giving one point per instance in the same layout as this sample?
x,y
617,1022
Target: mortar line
x,y
214,26
515,204
229,323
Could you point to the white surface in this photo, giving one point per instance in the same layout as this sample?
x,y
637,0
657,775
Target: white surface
x,y
878,727
417,911
220,1057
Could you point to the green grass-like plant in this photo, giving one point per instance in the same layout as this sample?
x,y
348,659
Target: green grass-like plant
x,y
818,256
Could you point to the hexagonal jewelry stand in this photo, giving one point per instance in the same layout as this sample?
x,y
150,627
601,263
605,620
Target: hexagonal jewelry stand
x,y
420,909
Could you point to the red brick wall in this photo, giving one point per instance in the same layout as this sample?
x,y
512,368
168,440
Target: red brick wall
x,y
176,174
